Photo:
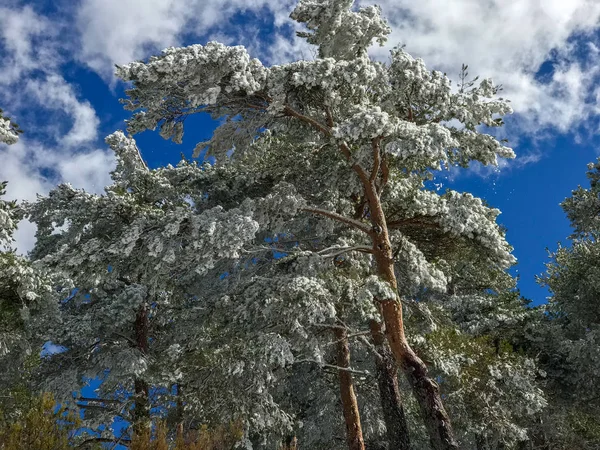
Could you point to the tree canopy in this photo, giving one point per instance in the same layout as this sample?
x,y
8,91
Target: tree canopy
x,y
273,295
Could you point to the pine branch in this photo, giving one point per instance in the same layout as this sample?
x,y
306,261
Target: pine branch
x,y
331,366
338,217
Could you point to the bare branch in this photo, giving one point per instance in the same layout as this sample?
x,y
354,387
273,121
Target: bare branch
x,y
289,111
128,339
97,400
97,440
370,346
329,326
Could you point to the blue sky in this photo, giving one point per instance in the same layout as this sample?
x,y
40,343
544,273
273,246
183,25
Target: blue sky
x,y
57,59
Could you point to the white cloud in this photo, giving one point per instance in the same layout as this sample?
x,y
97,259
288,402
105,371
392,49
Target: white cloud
x,y
122,31
32,168
89,171
31,53
25,37
32,50
65,127
55,93
507,41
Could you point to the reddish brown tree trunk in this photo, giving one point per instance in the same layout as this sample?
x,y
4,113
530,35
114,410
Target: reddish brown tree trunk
x,y
389,393
354,435
425,389
141,409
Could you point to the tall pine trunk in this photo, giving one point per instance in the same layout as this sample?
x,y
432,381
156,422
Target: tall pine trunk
x,y
425,389
389,393
141,409
354,436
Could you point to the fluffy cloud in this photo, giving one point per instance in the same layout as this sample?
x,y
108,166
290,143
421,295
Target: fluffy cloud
x,y
33,168
25,37
509,41
55,93
61,130
506,41
121,31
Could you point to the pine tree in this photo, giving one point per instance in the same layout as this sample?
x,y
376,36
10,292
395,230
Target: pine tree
x,y
361,139
28,297
568,336
132,255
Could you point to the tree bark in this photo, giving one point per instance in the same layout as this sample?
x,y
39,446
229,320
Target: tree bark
x,y
425,389
354,436
141,409
389,393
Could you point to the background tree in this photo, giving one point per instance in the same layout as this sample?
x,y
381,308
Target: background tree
x,y
568,335
131,254
29,294
42,426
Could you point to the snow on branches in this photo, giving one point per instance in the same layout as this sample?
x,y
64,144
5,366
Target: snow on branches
x,y
8,133
338,31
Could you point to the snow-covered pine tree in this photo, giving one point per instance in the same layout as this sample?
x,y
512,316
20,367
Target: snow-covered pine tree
x,y
25,290
475,338
568,337
132,255
362,138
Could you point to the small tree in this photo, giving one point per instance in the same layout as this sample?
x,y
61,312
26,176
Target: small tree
x,y
42,426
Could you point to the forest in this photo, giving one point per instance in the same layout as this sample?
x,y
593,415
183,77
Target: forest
x,y
308,287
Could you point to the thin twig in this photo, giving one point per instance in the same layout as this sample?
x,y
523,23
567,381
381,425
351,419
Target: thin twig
x,y
370,346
